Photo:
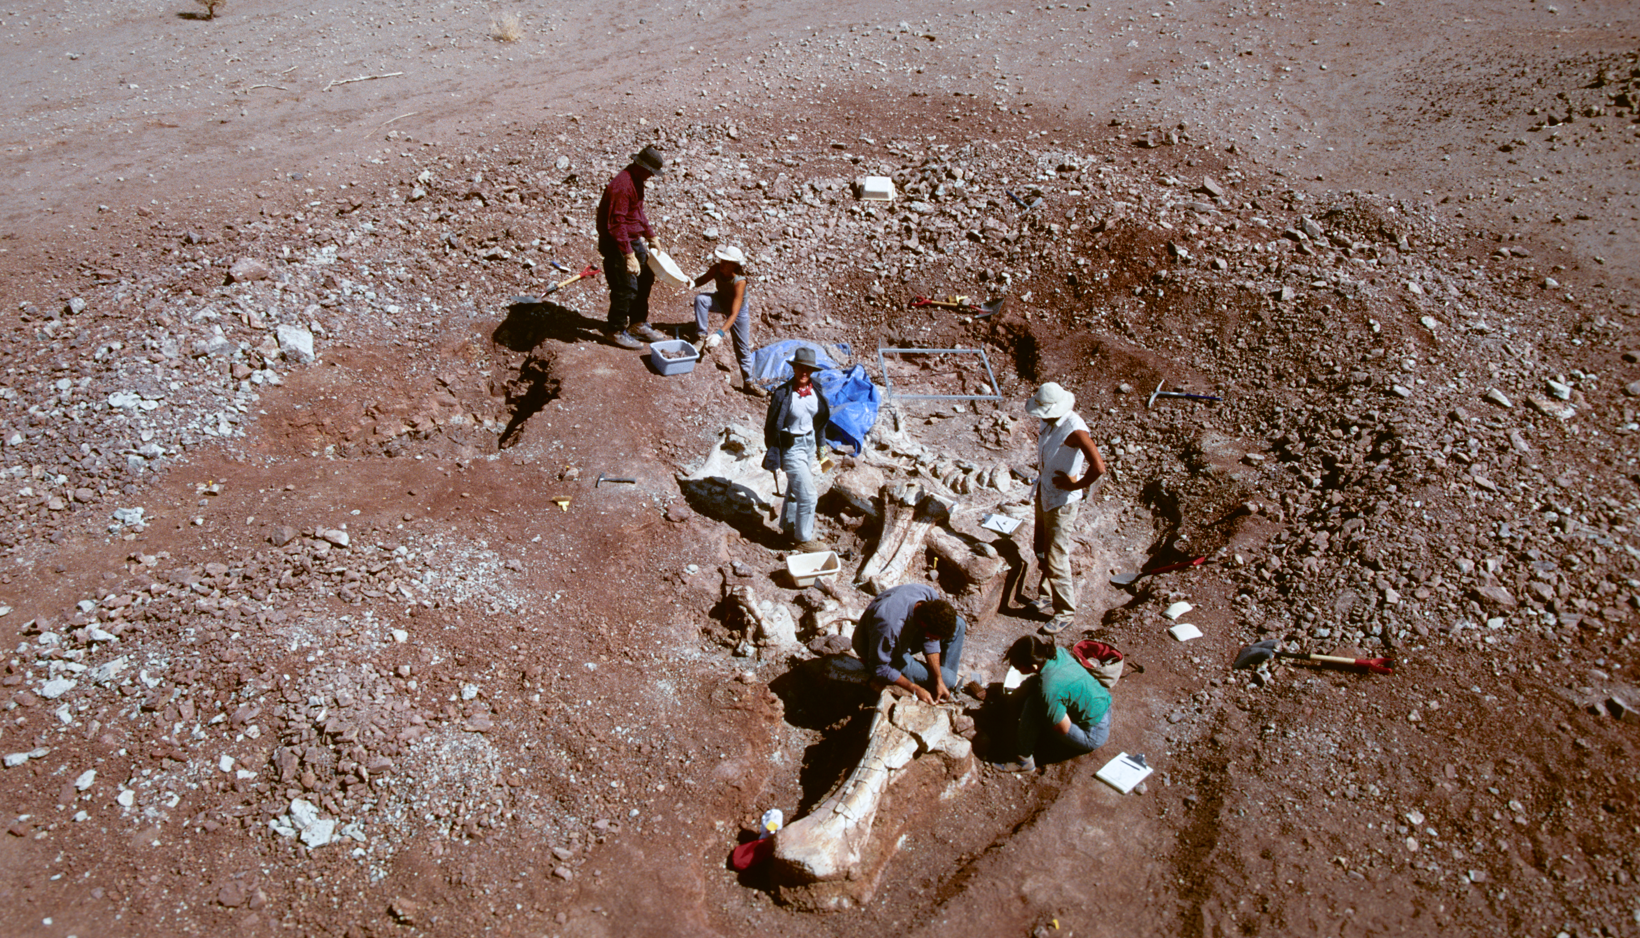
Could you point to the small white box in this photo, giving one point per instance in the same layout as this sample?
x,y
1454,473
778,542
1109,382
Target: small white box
x,y
1184,632
877,189
1125,772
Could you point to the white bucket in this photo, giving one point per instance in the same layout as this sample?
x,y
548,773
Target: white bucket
x,y
667,270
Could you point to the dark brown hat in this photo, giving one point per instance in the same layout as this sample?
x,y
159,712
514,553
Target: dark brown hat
x,y
652,159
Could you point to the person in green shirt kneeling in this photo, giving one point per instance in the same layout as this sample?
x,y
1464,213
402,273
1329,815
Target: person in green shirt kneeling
x,y
1060,694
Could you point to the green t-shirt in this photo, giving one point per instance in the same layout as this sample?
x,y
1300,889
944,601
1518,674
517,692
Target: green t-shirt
x,y
1068,688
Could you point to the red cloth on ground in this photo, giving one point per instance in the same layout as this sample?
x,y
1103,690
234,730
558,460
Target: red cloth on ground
x,y
751,853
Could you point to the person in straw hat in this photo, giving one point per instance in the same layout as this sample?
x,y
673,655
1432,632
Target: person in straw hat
x,y
730,297
1070,464
792,430
624,241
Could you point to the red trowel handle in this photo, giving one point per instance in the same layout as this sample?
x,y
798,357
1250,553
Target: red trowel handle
x,y
590,271
1177,566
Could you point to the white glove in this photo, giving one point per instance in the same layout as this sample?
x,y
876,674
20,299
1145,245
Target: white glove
x,y
715,339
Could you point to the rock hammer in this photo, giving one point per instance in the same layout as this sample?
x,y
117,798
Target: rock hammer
x,y
1161,393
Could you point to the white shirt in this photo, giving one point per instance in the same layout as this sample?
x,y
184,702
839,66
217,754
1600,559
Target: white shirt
x,y
1055,454
804,408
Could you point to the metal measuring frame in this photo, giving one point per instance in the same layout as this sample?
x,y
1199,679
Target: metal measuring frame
x,y
888,383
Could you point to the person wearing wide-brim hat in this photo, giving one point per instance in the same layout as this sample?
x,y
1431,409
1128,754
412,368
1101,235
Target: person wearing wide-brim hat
x,y
624,241
793,427
1069,465
731,297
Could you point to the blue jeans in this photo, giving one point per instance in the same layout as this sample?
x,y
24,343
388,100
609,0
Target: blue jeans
x,y
950,661
1033,720
628,293
742,331
797,511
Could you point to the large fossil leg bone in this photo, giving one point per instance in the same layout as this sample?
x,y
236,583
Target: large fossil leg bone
x,y
907,519
830,845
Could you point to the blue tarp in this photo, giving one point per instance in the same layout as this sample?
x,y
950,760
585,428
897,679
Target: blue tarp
x,y
853,399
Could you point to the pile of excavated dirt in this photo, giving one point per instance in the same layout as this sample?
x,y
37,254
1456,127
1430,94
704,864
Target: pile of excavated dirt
x,y
326,617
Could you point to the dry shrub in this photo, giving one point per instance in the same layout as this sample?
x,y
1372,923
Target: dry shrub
x,y
506,27
211,6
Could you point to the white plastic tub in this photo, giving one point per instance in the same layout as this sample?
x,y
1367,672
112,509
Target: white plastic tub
x,y
667,270
805,569
682,360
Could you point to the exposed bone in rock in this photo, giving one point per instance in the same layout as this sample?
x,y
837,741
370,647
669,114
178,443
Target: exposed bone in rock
x,y
830,618
859,485
983,570
908,515
731,485
768,624
831,860
978,562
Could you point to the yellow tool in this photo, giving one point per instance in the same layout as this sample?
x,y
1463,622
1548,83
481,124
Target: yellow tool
x,y
562,503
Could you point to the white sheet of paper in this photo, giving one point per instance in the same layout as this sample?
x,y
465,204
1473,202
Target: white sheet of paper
x,y
1177,609
1184,632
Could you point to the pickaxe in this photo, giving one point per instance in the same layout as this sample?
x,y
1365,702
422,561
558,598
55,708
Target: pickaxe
x,y
963,303
602,478
527,300
1161,393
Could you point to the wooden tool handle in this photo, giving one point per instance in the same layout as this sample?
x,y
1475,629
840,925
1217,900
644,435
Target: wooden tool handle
x,y
1375,665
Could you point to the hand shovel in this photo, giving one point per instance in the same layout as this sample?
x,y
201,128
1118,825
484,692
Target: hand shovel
x,y
1127,579
1259,652
588,271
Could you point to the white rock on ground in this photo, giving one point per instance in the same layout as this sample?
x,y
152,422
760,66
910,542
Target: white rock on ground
x,y
296,343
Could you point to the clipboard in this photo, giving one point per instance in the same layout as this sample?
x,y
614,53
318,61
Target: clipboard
x,y
1125,772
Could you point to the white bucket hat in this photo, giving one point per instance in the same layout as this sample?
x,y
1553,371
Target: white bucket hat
x,y
1051,402
731,254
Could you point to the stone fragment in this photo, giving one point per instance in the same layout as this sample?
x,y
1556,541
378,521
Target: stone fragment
x,y
1494,595
232,895
1499,398
404,911
336,537
247,269
281,535
1632,389
85,780
1551,408
56,687
296,343
1211,187
1621,709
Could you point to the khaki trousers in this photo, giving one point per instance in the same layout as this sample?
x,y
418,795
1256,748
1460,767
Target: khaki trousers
x,y
1052,539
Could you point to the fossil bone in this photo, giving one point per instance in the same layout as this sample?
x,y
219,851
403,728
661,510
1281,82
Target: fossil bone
x,y
833,844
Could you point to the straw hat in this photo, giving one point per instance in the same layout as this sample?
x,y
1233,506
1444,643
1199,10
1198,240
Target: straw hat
x,y
731,254
1051,402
